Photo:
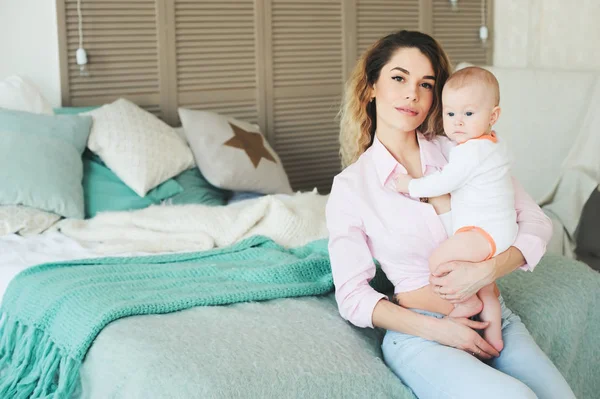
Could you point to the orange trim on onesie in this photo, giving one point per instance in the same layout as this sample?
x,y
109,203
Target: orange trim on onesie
x,y
491,137
485,234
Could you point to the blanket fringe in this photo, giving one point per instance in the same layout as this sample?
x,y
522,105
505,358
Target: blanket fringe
x,y
31,365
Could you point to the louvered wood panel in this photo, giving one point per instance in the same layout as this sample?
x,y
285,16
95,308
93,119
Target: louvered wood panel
x,y
277,63
121,42
377,18
216,56
241,109
306,139
307,42
307,54
458,31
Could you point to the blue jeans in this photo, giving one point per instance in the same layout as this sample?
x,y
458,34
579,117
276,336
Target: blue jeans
x,y
433,370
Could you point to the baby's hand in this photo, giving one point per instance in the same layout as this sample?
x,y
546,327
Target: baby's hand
x,y
402,181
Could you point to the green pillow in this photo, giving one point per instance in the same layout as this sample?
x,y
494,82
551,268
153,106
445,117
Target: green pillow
x,y
74,110
104,191
40,161
197,190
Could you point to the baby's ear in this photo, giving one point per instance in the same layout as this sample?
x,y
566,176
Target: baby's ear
x,y
495,115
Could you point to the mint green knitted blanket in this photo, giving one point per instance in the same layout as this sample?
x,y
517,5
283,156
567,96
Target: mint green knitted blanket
x,y
51,313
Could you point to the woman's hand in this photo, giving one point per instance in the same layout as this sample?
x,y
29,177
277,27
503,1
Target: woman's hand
x,y
459,332
458,281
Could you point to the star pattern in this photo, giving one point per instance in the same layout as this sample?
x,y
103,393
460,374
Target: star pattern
x,y
252,143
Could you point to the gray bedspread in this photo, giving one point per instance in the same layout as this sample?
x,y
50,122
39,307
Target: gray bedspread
x,y
292,348
301,348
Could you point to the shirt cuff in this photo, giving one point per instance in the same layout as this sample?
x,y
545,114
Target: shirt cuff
x,y
368,305
532,247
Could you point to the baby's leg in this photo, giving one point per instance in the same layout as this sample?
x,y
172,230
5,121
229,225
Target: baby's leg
x,y
469,246
493,314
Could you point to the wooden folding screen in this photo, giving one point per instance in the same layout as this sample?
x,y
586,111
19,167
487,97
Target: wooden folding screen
x,y
278,63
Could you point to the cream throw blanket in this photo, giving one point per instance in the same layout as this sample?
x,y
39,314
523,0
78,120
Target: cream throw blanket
x,y
289,220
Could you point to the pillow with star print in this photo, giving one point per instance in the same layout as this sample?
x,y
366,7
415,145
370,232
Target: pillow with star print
x,y
233,154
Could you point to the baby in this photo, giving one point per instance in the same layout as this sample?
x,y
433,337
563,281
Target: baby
x,y
477,175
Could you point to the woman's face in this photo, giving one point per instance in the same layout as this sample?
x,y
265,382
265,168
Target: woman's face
x,y
404,91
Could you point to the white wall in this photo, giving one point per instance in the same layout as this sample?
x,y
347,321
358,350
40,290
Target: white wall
x,y
547,34
528,33
29,44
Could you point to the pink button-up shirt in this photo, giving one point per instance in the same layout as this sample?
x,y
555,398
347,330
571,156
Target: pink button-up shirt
x,y
368,219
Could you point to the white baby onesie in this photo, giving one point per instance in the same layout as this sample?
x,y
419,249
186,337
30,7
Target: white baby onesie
x,y
482,194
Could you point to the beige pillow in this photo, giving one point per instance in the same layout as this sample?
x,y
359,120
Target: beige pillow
x,y
137,146
233,154
25,220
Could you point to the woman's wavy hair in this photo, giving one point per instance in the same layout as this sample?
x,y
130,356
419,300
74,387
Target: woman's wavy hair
x,y
358,114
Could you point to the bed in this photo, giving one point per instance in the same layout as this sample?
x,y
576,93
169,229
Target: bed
x,y
300,347
284,338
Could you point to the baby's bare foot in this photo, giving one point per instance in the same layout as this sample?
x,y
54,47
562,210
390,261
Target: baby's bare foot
x,y
467,309
493,335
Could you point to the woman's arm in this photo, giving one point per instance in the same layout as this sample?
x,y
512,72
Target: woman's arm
x,y
458,281
352,264
535,228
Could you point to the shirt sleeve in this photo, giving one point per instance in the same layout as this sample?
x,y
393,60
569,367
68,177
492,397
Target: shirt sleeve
x,y
535,228
352,264
463,161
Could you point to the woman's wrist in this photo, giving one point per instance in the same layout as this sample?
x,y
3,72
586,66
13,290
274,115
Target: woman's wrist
x,y
390,316
431,328
506,262
427,327
491,271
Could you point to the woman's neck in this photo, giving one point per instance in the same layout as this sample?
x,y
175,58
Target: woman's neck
x,y
402,145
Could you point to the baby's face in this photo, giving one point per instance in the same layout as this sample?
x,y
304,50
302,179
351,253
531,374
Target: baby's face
x,y
467,111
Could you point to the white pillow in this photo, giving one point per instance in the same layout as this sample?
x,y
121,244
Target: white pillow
x,y
19,94
181,133
24,220
137,146
233,154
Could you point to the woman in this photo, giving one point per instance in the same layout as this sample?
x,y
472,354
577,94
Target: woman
x,y
391,119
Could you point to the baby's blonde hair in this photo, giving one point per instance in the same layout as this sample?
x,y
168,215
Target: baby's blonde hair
x,y
475,75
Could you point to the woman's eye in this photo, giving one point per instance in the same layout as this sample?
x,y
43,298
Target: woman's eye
x,y
398,78
450,113
428,86
469,113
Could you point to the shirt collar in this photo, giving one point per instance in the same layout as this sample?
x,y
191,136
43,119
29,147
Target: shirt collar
x,y
385,163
